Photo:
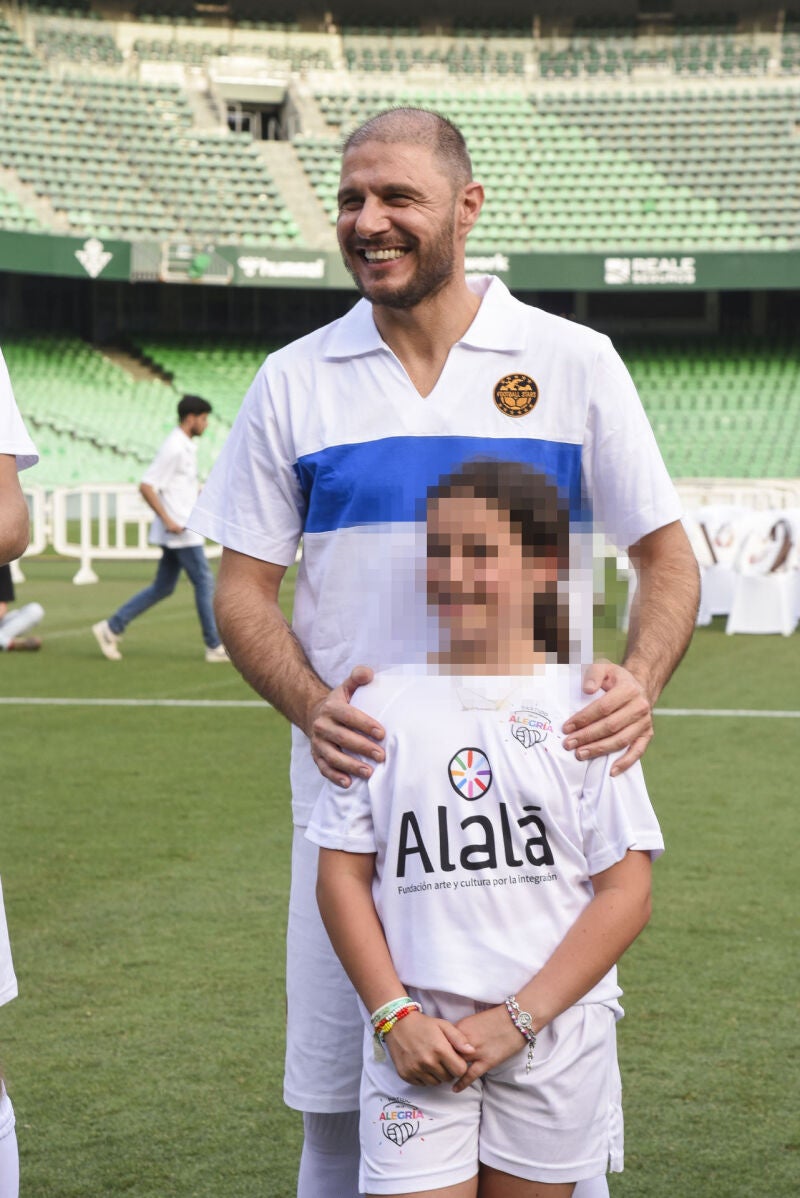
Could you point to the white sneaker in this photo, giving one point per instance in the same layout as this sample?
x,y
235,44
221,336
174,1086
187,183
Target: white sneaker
x,y
220,653
107,640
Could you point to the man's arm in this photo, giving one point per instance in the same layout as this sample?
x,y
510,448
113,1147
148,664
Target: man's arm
x,y
662,620
14,522
269,656
664,608
153,500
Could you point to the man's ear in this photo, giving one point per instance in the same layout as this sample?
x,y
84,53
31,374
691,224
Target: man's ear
x,y
469,206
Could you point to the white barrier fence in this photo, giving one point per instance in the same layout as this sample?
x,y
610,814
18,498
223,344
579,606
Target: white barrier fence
x,y
107,522
104,522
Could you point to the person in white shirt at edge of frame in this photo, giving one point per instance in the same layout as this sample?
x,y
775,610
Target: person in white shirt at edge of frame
x,y
337,440
17,452
170,488
481,885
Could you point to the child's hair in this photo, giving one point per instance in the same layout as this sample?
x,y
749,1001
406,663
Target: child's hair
x,y
534,507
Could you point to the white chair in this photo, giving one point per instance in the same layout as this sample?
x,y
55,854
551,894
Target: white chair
x,y
715,533
765,592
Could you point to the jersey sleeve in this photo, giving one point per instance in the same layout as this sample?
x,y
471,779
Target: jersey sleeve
x,y
252,501
342,819
624,474
14,439
616,815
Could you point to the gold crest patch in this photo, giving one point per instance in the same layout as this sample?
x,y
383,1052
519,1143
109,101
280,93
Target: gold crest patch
x,y
516,394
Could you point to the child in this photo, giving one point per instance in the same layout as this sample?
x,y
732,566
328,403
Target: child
x,y
481,886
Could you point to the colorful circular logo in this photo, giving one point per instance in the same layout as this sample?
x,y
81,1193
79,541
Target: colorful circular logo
x,y
470,773
516,394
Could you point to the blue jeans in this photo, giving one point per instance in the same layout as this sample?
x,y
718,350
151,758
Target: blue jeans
x,y
192,559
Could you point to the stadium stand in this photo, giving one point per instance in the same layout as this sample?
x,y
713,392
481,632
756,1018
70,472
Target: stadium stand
x,y
295,58
86,413
652,170
681,163
221,371
119,158
719,408
78,47
591,135
16,216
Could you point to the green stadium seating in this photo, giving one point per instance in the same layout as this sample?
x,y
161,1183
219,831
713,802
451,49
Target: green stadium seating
x,y
292,56
719,408
220,371
16,216
119,158
93,422
656,169
647,172
77,46
85,412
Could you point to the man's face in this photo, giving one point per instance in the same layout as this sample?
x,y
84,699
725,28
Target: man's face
x,y
396,224
197,425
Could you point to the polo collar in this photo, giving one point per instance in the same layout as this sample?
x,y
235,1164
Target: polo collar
x,y
497,325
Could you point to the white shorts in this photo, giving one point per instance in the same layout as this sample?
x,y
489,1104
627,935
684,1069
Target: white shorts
x,y
561,1122
324,1023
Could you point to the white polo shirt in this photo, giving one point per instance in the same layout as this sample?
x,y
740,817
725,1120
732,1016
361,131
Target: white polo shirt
x,y
8,982
173,473
334,443
14,437
486,830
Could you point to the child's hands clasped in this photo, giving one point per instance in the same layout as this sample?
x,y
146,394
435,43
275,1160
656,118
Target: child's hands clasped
x,y
426,1051
494,1039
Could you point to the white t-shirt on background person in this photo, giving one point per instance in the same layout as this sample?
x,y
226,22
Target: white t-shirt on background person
x,y
14,438
173,473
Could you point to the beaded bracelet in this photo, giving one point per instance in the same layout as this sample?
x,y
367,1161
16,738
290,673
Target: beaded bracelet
x,y
385,1018
523,1022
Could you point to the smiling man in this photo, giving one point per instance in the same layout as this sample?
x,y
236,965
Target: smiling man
x,y
420,234
337,442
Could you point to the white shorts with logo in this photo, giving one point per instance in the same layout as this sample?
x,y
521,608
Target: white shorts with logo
x,y
324,1023
561,1122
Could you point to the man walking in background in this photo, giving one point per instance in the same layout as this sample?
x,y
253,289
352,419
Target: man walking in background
x,y
170,488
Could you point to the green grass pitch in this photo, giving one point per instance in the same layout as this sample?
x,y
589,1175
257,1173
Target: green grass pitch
x,y
145,853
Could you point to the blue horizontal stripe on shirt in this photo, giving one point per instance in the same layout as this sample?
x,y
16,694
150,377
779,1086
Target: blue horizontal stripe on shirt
x,y
387,481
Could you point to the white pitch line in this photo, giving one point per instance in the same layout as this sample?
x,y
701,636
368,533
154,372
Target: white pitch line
x,y
750,713
28,701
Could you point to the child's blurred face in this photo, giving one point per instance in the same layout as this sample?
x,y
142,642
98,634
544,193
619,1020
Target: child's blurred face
x,y
481,581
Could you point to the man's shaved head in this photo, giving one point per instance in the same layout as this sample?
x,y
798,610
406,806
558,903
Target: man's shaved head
x,y
419,127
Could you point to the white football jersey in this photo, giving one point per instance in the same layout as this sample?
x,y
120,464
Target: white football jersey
x,y
334,443
486,830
